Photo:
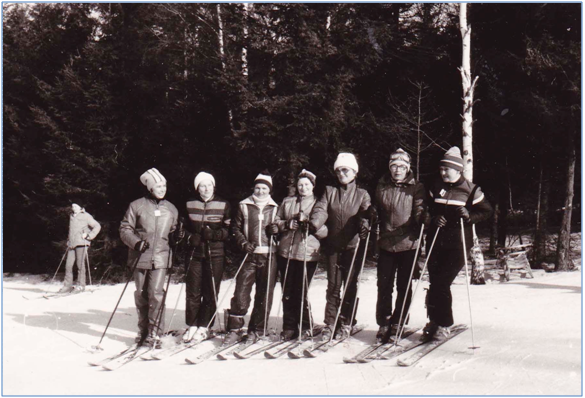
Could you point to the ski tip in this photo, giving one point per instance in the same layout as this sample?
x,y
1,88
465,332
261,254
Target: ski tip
x,y
401,363
192,361
348,360
221,357
267,355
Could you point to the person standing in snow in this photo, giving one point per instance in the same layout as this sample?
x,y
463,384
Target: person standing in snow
x,y
83,228
452,199
343,209
146,230
400,201
208,228
296,248
253,228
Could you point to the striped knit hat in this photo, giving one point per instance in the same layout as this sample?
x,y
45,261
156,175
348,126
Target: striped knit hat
x,y
400,158
453,159
152,177
264,178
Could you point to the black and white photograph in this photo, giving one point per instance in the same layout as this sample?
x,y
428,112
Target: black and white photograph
x,y
292,199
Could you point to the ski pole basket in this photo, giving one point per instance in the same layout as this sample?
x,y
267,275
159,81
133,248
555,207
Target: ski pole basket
x,y
514,258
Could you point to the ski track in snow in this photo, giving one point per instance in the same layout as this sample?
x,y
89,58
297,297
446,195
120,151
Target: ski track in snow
x,y
507,326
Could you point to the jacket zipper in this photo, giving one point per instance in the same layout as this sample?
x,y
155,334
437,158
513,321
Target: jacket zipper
x,y
154,240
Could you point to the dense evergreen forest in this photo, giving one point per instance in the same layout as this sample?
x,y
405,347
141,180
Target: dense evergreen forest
x,y
95,94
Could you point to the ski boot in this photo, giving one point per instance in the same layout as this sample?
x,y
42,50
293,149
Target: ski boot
x,y
233,336
200,335
443,333
429,331
287,335
382,335
326,334
343,332
66,289
189,333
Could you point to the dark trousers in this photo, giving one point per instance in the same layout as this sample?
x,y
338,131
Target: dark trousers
x,y
444,265
254,271
393,267
293,293
201,295
338,275
148,298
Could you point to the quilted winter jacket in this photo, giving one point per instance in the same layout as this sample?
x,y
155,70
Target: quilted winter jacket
x,y
446,198
80,224
401,208
288,210
340,208
147,220
250,224
214,213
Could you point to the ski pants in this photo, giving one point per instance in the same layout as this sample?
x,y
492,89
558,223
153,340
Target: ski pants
x,y
393,267
444,265
148,298
201,292
293,293
254,271
76,255
338,275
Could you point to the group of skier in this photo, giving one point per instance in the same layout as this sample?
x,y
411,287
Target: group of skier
x,y
289,239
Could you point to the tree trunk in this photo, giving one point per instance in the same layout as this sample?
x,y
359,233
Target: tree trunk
x,y
564,262
468,88
542,217
494,229
223,65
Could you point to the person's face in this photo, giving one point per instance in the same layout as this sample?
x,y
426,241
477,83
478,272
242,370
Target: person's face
x,y
75,208
398,172
345,175
205,189
448,174
261,191
305,187
159,190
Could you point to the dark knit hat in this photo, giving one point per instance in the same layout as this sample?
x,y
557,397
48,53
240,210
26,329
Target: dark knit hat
x,y
264,178
453,159
307,174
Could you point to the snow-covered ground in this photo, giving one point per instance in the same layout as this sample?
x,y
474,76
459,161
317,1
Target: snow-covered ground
x,y
528,330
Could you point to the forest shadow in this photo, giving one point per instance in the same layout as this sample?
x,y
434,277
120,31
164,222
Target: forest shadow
x,y
572,289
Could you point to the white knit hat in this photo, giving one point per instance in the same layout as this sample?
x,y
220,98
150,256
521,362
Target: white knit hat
x,y
264,179
307,174
345,159
203,176
152,177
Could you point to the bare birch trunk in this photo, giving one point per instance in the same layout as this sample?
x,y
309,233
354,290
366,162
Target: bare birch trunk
x,y
223,64
564,262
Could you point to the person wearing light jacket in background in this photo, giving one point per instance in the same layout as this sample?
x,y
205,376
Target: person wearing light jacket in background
x,y
253,227
342,209
145,229
293,216
452,199
400,202
82,230
208,226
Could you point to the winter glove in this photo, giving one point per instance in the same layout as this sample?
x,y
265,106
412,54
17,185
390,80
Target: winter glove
x,y
141,246
195,240
85,235
439,221
463,213
312,229
249,247
304,227
208,233
364,229
293,225
372,214
271,229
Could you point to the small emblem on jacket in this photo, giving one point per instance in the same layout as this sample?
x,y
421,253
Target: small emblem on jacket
x,y
442,193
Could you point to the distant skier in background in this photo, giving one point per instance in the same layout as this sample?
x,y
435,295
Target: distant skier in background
x,y
293,222
208,229
83,228
452,199
342,208
400,201
146,230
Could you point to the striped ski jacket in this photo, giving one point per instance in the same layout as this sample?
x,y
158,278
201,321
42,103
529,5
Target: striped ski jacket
x,y
215,214
250,224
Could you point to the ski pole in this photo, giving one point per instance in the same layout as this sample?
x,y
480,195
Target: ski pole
x,y
345,289
86,258
98,346
285,273
268,286
420,280
473,347
303,288
212,279
161,310
400,325
226,292
180,291
60,262
354,309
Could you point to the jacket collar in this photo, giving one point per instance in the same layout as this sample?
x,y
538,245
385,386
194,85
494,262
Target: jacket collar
x,y
250,201
409,180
